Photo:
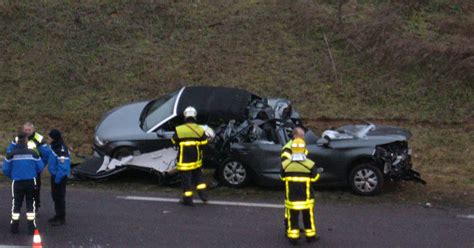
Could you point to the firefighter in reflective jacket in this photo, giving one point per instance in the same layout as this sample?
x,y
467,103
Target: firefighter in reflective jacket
x,y
190,139
22,165
37,143
286,152
298,173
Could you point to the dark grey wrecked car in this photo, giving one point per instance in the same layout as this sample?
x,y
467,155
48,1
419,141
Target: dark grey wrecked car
x,y
250,132
362,156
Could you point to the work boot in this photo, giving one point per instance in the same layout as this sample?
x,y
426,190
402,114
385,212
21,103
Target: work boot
x,y
203,195
187,201
58,222
51,220
31,227
14,226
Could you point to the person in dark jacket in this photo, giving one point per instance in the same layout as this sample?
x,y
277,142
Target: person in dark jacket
x,y
37,143
22,165
59,166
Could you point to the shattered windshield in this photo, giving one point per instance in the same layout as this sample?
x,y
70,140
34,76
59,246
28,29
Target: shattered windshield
x,y
158,110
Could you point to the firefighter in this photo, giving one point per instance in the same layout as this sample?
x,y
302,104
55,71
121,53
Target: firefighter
x,y
286,152
37,143
190,138
298,173
59,165
22,165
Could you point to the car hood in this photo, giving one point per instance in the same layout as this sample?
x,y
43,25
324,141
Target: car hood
x,y
121,123
379,136
377,130
381,130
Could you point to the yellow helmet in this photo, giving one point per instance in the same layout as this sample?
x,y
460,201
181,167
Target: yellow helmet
x,y
298,146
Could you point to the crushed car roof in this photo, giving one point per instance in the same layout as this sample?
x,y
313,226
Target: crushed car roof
x,y
216,105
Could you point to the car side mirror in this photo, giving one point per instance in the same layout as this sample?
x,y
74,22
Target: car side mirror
x,y
323,142
320,170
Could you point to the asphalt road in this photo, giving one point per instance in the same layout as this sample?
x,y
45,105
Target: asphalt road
x,y
102,219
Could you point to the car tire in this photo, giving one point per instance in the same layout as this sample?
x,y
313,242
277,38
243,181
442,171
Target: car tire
x,y
366,179
122,152
234,174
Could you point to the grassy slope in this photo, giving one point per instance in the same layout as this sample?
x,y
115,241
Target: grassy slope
x,y
65,64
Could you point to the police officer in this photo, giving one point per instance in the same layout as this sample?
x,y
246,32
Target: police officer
x,y
190,139
298,172
37,143
59,165
22,165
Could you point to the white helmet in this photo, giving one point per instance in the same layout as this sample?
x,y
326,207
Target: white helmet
x,y
190,112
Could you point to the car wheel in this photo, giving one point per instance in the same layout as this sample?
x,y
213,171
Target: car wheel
x,y
234,174
366,179
122,152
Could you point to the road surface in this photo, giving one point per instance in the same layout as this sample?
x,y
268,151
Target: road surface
x,y
152,219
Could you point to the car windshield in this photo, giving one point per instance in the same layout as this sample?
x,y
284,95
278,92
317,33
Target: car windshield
x,y
158,110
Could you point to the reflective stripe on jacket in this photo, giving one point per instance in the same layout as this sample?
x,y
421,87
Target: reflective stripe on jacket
x,y
22,164
189,138
298,177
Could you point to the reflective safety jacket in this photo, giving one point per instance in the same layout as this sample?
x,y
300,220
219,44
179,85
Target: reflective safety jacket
x,y
286,151
298,177
190,139
36,143
22,164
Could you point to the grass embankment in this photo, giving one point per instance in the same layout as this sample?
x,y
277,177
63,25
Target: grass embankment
x,y
64,64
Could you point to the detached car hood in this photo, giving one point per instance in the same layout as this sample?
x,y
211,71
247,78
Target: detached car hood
x,y
121,123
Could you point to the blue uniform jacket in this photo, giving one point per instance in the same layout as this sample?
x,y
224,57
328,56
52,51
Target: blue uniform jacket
x,y
42,150
22,164
55,167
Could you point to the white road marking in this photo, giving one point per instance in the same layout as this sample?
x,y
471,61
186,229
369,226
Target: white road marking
x,y
222,203
469,216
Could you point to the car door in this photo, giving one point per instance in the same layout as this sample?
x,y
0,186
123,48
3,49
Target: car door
x,y
160,138
156,141
261,157
332,160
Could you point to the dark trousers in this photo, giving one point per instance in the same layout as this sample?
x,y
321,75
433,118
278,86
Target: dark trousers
x,y
293,223
37,192
298,192
190,180
23,189
58,192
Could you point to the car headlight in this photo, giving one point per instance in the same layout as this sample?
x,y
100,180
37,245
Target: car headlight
x,y
99,142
